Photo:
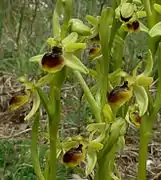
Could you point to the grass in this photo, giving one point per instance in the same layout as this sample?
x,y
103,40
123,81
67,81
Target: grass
x,y
16,163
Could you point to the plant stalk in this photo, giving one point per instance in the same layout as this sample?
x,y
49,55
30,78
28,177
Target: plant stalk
x,y
34,150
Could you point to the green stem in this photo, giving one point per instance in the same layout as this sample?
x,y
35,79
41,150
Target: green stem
x,y
145,135
34,150
94,107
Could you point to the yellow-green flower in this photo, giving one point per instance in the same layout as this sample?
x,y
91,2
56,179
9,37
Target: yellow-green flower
x,y
74,156
120,95
53,61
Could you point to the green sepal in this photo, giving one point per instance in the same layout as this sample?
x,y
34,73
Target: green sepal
x,y
75,46
71,38
45,79
141,14
149,65
37,58
91,161
141,99
73,62
157,7
76,25
95,146
142,80
35,106
155,30
107,112
127,10
92,20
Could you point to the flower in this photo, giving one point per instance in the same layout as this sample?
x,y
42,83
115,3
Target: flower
x,y
134,26
120,95
53,61
73,156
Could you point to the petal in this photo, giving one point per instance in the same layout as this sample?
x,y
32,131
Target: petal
x,y
35,106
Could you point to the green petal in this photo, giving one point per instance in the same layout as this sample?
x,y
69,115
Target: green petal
x,y
142,99
75,46
74,63
37,58
71,38
157,7
91,161
155,30
141,14
35,106
142,80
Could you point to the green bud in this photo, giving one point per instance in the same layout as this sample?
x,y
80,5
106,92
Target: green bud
x,y
79,27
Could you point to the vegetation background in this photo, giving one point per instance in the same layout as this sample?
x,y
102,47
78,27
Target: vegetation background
x,y
24,27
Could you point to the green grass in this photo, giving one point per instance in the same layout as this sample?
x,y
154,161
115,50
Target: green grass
x,y
15,158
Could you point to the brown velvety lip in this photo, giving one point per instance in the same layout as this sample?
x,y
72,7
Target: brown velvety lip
x,y
51,60
134,26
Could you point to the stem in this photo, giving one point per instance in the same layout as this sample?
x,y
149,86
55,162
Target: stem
x,y
145,135
54,119
34,150
94,107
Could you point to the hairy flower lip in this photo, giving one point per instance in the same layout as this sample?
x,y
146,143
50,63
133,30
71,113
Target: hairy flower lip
x,y
135,118
134,26
119,94
74,155
93,51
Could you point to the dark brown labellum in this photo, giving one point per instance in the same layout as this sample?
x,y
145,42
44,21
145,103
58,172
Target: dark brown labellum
x,y
14,100
51,60
134,26
57,50
73,155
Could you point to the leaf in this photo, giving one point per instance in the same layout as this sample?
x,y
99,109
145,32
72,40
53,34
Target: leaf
x,y
75,46
157,7
71,38
155,30
37,58
91,161
35,106
74,63
142,99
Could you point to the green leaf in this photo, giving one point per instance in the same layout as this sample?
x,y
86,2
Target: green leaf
x,y
142,99
75,46
91,161
92,20
157,7
155,30
74,63
71,38
37,58
35,106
